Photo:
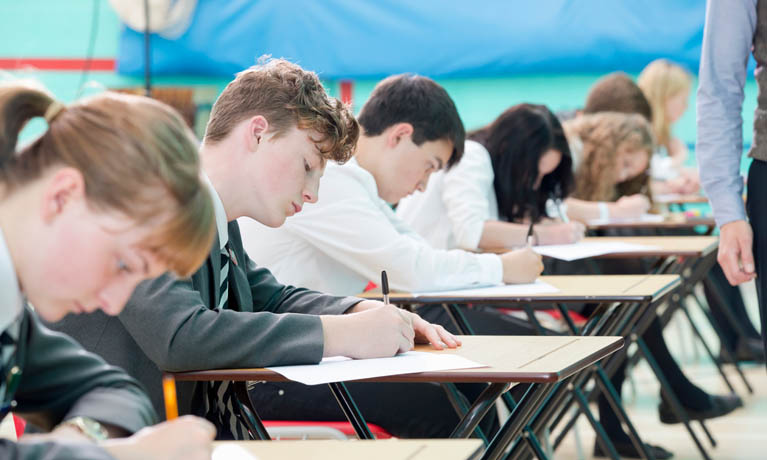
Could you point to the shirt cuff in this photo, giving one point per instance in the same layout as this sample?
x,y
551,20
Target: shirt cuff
x,y
727,208
492,268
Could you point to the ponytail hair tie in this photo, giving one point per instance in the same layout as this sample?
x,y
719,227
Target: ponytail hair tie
x,y
53,111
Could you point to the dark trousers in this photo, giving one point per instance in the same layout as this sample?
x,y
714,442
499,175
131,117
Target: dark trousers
x,y
407,410
733,301
756,206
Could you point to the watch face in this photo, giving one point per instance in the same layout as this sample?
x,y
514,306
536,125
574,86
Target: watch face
x,y
90,428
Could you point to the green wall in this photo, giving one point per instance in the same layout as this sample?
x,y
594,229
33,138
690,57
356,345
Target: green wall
x,y
61,28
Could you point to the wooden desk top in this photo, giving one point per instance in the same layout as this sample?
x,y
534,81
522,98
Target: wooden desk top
x,y
672,221
676,198
668,246
509,359
687,246
572,288
385,449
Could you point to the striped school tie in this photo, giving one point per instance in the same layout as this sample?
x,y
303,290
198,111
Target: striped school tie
x,y
221,403
9,339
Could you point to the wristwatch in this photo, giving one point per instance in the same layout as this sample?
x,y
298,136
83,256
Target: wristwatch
x,y
88,427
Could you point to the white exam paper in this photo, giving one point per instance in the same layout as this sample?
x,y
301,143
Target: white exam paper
x,y
536,287
583,250
644,218
231,452
342,369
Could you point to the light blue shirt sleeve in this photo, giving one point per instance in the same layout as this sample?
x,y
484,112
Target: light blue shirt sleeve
x,y
727,41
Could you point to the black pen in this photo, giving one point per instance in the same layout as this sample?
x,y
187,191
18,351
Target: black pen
x,y
385,286
530,233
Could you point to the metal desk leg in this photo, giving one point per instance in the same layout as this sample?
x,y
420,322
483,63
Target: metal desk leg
x,y
461,405
512,428
725,352
250,417
672,399
460,321
351,410
710,353
479,409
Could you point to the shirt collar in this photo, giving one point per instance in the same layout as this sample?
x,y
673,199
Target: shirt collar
x,y
10,293
218,206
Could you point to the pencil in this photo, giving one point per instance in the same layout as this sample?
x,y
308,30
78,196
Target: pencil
x,y
169,391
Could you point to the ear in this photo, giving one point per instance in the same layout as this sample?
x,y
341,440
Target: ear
x,y
397,133
257,127
64,188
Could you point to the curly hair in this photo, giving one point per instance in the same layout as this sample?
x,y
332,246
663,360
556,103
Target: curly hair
x,y
605,135
287,96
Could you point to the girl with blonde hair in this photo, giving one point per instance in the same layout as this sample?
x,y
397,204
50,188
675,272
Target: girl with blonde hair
x,y
667,88
612,154
108,196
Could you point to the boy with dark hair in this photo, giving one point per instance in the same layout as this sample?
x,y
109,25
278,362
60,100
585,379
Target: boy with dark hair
x,y
411,129
263,159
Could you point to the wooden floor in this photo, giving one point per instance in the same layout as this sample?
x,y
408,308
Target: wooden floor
x,y
740,435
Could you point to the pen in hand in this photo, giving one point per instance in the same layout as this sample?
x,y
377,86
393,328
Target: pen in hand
x,y
385,286
530,234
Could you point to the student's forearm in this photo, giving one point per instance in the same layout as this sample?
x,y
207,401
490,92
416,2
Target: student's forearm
x,y
582,211
496,234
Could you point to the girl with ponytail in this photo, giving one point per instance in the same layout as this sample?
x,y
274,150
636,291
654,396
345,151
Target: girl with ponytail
x,y
108,196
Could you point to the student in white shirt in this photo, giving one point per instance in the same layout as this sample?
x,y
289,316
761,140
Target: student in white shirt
x,y
510,169
614,163
109,195
518,167
411,128
344,240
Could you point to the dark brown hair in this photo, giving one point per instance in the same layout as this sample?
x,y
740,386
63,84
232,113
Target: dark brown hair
x,y
419,101
617,92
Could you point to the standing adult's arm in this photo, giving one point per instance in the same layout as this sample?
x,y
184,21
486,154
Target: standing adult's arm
x,y
727,39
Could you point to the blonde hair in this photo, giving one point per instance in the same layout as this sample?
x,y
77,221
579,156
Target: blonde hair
x,y
604,136
136,155
287,96
660,81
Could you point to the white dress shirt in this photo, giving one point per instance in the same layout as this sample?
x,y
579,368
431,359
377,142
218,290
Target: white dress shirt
x,y
343,241
10,293
452,211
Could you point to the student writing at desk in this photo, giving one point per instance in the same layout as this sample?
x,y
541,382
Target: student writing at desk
x,y
505,156
270,134
107,196
666,86
411,129
617,92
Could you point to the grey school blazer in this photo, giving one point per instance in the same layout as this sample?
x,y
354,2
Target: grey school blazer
x,y
49,378
172,324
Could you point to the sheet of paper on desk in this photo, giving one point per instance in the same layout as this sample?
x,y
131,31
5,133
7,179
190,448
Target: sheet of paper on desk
x,y
342,369
231,452
537,287
644,218
589,249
